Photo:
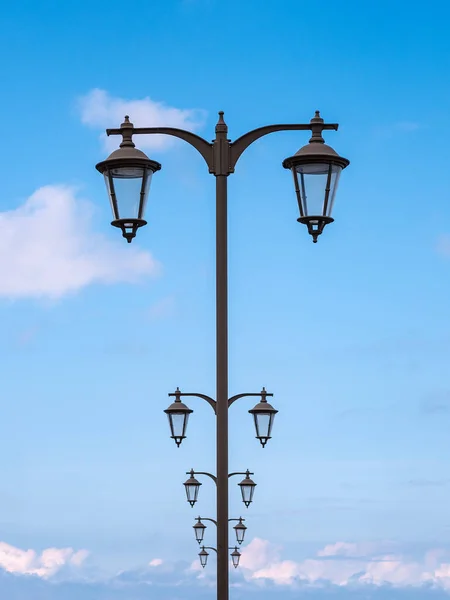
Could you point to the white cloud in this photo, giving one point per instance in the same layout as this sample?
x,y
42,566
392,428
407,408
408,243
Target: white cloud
x,y
101,111
156,562
343,563
46,564
48,248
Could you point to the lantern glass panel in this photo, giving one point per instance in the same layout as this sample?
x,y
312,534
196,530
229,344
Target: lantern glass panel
x,y
178,423
263,424
128,189
317,185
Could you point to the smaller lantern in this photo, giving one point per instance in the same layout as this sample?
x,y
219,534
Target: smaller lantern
x,y
178,414
240,530
263,414
247,489
199,529
235,556
192,486
203,556
316,169
128,173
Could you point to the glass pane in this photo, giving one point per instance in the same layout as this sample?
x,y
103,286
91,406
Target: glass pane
x,y
127,185
110,196
263,425
316,198
335,181
178,424
146,191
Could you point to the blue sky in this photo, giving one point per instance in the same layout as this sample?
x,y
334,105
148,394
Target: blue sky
x,y
351,334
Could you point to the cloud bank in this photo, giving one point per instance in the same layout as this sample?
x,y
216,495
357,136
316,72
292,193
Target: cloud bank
x,y
344,564
372,569
48,248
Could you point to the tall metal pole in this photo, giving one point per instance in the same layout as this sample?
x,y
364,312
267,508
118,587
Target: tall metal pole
x,y
221,153
222,386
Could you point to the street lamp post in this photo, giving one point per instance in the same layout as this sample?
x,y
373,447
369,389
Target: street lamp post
x,y
316,168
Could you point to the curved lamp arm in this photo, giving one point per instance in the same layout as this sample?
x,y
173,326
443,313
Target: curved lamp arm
x,y
234,398
207,519
208,399
200,144
239,473
213,477
209,548
242,143
215,522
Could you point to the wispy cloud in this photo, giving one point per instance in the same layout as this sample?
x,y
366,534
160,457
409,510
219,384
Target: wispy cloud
x,y
99,110
48,248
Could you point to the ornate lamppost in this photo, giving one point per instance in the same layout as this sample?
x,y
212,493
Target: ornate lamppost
x,y
316,169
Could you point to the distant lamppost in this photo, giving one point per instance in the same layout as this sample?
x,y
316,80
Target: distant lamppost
x,y
316,169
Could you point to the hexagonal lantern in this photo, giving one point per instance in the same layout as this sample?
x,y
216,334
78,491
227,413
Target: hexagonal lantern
x,y
235,556
316,169
247,486
199,529
128,173
240,530
192,486
263,414
203,557
178,415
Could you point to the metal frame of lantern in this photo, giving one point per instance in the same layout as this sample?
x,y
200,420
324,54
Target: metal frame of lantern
x,y
192,486
119,165
221,156
247,486
316,159
178,409
263,409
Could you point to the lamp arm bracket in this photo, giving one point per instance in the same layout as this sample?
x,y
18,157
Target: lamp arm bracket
x,y
234,398
242,143
240,473
240,519
213,477
208,399
208,519
199,143
210,548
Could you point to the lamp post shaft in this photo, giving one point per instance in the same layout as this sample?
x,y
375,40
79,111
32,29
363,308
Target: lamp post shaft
x,y
222,385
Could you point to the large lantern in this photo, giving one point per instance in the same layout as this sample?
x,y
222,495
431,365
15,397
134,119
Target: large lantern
x,y
199,529
192,486
247,486
178,415
316,169
263,414
240,530
128,173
